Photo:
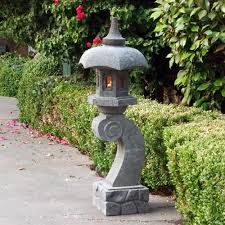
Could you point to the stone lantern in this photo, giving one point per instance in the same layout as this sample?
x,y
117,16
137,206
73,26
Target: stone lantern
x,y
121,192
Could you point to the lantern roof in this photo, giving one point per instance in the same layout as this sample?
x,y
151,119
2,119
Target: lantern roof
x,y
113,54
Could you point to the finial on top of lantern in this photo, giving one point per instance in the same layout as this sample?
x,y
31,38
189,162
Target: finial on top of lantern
x,y
114,37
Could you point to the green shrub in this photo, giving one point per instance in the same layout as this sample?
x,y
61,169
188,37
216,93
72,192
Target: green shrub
x,y
34,85
55,105
11,69
196,153
195,32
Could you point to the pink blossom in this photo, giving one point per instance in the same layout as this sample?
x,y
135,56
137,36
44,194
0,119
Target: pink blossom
x,y
97,41
15,131
3,139
88,44
80,16
64,142
11,124
79,9
56,2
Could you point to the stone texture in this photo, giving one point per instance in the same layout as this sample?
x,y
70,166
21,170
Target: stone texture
x,y
107,195
144,195
142,206
120,200
132,195
121,193
116,196
127,166
114,37
111,209
128,208
118,58
112,101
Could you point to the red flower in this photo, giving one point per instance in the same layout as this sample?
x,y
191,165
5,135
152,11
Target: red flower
x,y
97,41
56,2
80,13
88,44
79,9
80,16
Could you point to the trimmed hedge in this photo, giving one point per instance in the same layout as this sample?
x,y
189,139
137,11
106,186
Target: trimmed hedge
x,y
196,154
11,70
60,106
152,118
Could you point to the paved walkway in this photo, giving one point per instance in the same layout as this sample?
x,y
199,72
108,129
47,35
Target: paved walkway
x,y
44,183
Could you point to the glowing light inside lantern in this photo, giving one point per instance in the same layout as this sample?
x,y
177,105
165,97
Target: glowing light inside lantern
x,y
108,82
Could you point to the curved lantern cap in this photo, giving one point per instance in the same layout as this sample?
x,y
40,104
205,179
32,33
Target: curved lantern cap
x,y
113,54
118,58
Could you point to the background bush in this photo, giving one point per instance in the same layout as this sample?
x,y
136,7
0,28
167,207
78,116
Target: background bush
x,y
192,32
66,37
11,69
195,32
70,35
196,153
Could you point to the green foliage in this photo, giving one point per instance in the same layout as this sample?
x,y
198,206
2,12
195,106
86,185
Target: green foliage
x,y
197,168
68,36
195,31
22,20
11,69
33,87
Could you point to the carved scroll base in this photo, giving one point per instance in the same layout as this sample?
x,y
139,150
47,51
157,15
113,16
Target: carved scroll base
x,y
121,193
115,201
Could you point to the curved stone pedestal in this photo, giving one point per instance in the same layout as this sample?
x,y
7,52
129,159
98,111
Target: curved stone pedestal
x,y
114,201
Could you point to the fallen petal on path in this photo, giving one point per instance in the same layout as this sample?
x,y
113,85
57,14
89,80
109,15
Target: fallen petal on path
x,y
3,139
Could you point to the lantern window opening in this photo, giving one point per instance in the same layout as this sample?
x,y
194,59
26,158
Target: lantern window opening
x,y
108,82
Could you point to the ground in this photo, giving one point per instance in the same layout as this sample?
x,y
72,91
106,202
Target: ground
x,y
45,183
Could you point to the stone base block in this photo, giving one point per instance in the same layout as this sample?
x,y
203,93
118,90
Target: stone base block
x,y
114,201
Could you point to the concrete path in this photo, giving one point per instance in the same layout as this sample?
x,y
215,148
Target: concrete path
x,y
44,183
